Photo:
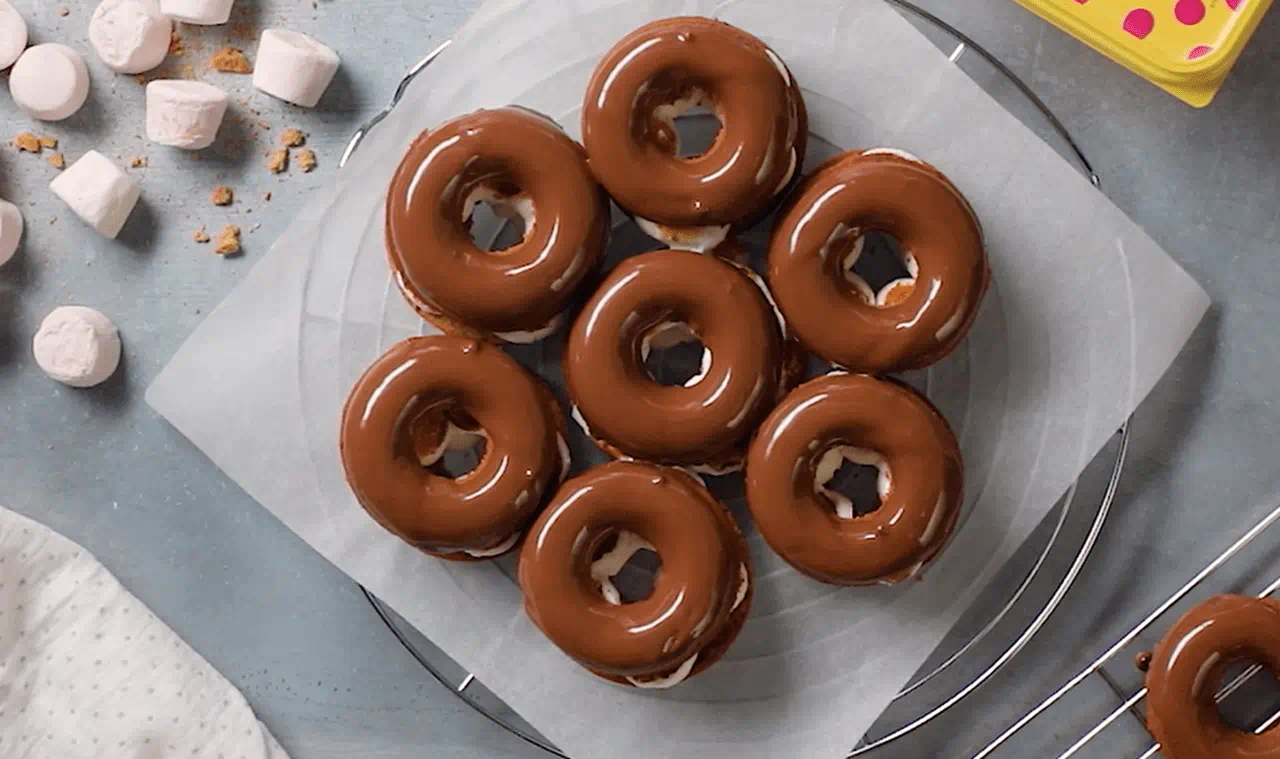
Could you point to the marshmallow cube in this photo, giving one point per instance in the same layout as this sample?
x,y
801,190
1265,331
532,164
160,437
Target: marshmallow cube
x,y
293,67
98,192
203,12
50,82
130,36
13,34
10,230
77,346
184,114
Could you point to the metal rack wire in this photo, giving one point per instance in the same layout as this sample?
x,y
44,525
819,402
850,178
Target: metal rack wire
x,y
1130,702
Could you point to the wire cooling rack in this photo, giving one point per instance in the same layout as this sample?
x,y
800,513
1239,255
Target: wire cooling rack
x,y
1092,509
1130,702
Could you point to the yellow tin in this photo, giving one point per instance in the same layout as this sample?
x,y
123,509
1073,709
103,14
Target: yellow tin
x,y
1186,47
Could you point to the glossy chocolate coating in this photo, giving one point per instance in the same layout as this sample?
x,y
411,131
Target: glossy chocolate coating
x,y
508,153
915,517
633,153
630,412
693,595
399,407
1186,668
933,223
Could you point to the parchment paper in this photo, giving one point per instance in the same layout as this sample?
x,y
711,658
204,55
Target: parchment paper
x,y
1085,315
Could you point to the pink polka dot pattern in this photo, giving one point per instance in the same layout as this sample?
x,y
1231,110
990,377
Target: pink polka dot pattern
x,y
1189,12
1235,4
1139,22
1199,51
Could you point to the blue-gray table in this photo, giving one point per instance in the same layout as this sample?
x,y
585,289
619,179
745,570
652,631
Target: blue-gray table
x,y
299,638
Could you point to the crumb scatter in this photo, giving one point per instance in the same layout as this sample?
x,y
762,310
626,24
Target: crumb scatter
x,y
57,161
222,196
231,61
278,161
306,159
293,138
228,241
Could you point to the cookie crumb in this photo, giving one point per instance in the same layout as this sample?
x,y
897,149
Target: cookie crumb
x,y
48,142
222,196
306,159
137,163
57,161
27,142
64,12
293,138
266,196
264,125
175,44
278,161
200,236
228,241
231,61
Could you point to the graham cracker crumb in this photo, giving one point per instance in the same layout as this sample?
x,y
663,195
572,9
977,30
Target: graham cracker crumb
x,y
266,196
293,138
230,60
137,163
175,44
228,241
264,124
140,79
306,159
64,12
58,161
200,236
27,142
222,196
243,32
187,71
278,161
48,142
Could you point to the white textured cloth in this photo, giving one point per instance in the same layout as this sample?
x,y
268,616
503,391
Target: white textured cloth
x,y
86,670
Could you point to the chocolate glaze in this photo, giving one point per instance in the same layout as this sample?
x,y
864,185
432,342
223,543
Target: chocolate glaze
x,y
908,200
399,410
694,607
633,151
916,515
1185,670
625,408
507,153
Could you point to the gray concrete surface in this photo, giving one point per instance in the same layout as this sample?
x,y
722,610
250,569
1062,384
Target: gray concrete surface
x,y
299,638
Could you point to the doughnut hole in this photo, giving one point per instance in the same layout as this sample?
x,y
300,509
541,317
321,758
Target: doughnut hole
x,y
853,480
624,567
497,216
1248,704
872,263
683,119
447,442
673,354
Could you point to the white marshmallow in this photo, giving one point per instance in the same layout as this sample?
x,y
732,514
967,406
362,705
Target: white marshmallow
x,y
130,36
77,346
98,192
203,12
13,34
50,82
184,114
293,67
10,230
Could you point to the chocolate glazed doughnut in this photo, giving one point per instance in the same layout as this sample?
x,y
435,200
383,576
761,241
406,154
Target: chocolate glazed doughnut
x,y
912,322
666,68
427,396
662,298
700,596
526,166
1185,670
868,421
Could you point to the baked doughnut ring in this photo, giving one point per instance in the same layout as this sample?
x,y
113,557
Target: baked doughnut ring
x,y
525,165
660,299
1187,665
589,531
427,396
662,70
869,421
911,323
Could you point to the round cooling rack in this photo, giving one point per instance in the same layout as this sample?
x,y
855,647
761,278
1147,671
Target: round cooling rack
x,y
1016,605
